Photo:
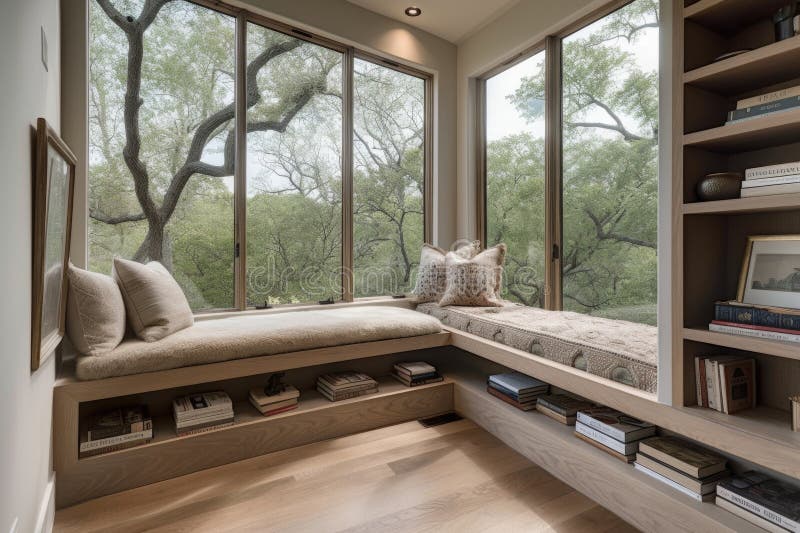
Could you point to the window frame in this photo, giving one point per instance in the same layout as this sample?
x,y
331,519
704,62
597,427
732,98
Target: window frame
x,y
554,154
349,53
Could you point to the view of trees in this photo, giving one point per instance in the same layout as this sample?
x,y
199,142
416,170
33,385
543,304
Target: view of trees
x,y
162,151
610,178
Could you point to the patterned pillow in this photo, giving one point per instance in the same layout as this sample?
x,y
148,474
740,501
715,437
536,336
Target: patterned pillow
x,y
432,275
474,282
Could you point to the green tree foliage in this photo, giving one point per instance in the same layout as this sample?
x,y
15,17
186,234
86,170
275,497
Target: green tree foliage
x,y
610,113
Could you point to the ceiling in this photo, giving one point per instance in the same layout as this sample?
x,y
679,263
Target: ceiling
x,y
453,20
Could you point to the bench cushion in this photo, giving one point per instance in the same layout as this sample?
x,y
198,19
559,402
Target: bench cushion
x,y
212,341
622,351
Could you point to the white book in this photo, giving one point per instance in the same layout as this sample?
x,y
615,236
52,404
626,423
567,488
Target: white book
x,y
771,171
769,190
199,405
609,442
758,333
763,182
762,99
758,510
113,441
747,515
676,486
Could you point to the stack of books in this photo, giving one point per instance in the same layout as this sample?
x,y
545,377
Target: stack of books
x,y
726,383
562,407
416,373
765,104
118,429
198,413
612,431
768,503
773,323
344,385
772,179
517,389
683,466
268,405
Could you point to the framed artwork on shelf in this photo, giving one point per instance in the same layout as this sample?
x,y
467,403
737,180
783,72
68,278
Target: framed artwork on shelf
x,y
53,193
771,271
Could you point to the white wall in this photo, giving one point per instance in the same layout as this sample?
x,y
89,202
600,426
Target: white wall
x,y
27,91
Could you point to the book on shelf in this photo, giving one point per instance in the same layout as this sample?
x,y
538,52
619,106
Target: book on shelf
x,y
113,448
110,443
616,424
722,503
759,333
606,449
202,406
715,387
274,409
119,421
702,486
522,398
204,428
765,182
773,500
562,407
700,380
623,448
738,313
677,486
335,397
795,401
425,379
737,385
259,395
414,369
683,456
761,110
766,98
526,406
518,384
769,190
345,385
772,171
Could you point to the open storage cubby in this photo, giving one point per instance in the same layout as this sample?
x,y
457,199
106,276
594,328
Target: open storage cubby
x,y
710,237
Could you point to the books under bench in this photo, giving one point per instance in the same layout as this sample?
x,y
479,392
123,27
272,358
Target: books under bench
x,y
414,374
345,385
612,431
118,429
517,389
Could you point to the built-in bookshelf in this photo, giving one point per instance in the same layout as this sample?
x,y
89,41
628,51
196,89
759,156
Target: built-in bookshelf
x,y
710,237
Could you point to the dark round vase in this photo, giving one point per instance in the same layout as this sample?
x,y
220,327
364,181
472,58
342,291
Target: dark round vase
x,y
720,186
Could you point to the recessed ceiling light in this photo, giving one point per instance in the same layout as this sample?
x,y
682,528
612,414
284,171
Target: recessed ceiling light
x,y
413,11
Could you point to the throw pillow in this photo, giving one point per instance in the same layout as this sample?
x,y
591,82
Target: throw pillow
x,y
432,275
155,302
95,312
476,281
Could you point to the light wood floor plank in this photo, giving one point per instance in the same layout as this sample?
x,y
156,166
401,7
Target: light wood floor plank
x,y
404,478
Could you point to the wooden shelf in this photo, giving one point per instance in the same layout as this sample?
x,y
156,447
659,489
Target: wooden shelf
x,y
756,204
765,423
639,499
750,71
787,350
729,15
748,135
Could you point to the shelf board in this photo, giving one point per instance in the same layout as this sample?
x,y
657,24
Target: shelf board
x,y
787,350
755,204
753,70
246,415
748,135
762,422
729,15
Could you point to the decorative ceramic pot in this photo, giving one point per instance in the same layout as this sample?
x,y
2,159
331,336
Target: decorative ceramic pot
x,y
720,186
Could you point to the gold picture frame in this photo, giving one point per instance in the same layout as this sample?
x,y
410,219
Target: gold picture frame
x,y
771,294
53,196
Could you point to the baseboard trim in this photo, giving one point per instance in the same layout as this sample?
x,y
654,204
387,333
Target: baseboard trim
x,y
47,507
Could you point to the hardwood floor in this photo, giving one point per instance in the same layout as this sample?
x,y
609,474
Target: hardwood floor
x,y
454,477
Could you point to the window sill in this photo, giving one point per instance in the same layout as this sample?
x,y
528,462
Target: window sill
x,y
286,308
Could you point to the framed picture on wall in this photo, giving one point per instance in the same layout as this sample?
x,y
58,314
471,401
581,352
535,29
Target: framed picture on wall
x,y
771,271
53,192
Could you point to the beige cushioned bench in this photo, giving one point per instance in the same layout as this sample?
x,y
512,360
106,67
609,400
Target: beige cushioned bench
x,y
212,341
614,349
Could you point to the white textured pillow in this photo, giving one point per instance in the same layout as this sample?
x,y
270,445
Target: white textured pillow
x,y
476,281
432,275
95,312
155,302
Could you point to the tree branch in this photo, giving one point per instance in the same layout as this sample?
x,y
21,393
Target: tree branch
x,y
108,219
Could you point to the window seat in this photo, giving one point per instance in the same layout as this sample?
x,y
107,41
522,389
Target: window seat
x,y
239,337
622,351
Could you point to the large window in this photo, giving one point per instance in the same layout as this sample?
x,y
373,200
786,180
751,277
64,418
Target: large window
x,y
603,202
227,163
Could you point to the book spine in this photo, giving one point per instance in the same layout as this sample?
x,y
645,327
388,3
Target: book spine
x,y
665,480
757,509
756,316
772,171
697,362
346,395
104,433
763,182
768,97
114,448
119,439
757,333
206,429
612,432
710,384
554,408
769,190
764,109
606,440
754,327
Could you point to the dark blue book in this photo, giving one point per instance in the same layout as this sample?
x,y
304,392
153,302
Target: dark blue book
x,y
517,383
764,109
770,317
